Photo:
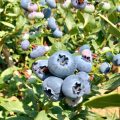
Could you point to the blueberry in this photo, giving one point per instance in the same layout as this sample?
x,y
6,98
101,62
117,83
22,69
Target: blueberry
x,y
25,44
61,64
82,64
86,46
87,55
24,4
57,33
73,102
32,15
42,2
52,23
40,68
37,52
79,5
73,87
83,75
32,7
105,67
118,8
116,60
51,3
47,13
89,8
52,87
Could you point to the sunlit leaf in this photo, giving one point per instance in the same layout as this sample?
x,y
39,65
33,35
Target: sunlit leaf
x,y
7,24
42,116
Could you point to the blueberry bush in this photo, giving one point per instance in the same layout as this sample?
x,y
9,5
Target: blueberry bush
x,y
59,59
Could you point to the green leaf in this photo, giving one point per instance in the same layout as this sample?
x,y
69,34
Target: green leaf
x,y
112,29
2,33
87,18
1,10
21,21
69,21
110,100
1,114
74,31
112,83
15,106
11,14
56,47
7,24
19,118
80,17
42,116
8,71
7,74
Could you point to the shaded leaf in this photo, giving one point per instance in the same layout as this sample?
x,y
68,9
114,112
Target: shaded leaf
x,y
19,118
113,29
112,83
110,100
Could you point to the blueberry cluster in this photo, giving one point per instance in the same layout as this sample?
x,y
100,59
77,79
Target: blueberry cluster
x,y
65,75
32,9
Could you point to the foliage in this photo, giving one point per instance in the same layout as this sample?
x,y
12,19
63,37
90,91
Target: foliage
x,y
22,98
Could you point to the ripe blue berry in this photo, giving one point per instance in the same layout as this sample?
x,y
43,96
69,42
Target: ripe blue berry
x,y
105,67
87,55
37,52
61,64
42,2
32,7
52,87
86,46
24,4
25,44
79,5
83,64
74,87
40,68
116,60
84,76
57,33
32,15
52,23
51,3
47,13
